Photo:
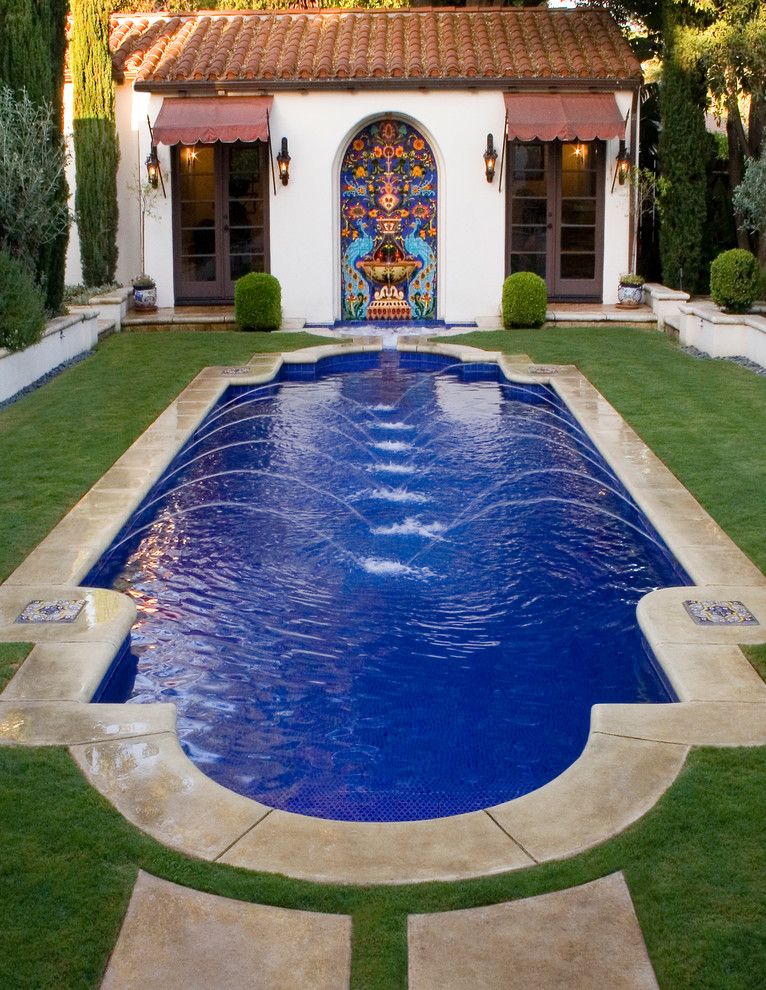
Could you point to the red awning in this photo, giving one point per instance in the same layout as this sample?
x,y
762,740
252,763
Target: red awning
x,y
566,116
205,120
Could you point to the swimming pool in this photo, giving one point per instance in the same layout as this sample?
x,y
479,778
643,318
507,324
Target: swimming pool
x,y
387,588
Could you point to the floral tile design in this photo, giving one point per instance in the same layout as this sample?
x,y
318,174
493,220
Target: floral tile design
x,y
732,613
542,369
58,610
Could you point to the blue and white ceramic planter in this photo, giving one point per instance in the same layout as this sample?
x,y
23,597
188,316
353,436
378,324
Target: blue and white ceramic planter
x,y
630,295
145,297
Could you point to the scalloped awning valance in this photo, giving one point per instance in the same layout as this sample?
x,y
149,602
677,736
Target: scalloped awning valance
x,y
205,120
563,116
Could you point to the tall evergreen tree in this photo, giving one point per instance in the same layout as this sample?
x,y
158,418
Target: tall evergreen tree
x,y
95,139
32,44
684,149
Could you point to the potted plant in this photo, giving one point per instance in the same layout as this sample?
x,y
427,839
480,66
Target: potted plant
x,y
630,291
144,292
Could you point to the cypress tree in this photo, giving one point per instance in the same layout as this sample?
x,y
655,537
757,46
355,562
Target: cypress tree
x,y
684,150
32,45
95,140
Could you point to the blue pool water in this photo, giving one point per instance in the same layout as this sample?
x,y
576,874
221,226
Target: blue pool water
x,y
387,588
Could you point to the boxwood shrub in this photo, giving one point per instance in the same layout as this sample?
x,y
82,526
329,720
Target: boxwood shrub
x,y
22,305
734,278
258,302
525,300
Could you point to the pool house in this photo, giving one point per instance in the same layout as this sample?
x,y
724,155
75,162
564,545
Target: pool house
x,y
384,165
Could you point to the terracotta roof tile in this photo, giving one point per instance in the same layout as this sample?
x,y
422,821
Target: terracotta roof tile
x,y
335,46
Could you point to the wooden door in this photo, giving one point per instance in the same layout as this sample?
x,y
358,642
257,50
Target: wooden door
x,y
220,208
555,210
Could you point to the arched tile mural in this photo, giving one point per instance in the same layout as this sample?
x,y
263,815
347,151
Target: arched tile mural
x,y
388,197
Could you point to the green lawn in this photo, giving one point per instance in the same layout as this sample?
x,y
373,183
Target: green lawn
x,y
695,864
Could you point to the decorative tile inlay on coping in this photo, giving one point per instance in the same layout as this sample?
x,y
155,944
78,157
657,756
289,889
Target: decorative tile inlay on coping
x,y
59,610
542,369
236,371
720,613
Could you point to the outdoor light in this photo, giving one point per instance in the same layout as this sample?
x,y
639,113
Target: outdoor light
x,y
490,159
623,163
153,168
283,161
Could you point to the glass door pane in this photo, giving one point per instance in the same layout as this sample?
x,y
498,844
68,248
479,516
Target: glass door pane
x,y
578,211
528,186
197,214
246,210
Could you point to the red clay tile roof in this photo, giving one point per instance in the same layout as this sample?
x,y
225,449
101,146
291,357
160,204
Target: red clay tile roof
x,y
371,47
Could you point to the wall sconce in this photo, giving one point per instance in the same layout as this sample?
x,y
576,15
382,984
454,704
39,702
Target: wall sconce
x,y
283,162
490,159
623,164
153,168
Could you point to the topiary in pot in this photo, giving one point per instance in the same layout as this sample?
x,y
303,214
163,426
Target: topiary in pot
x,y
258,302
734,280
525,300
22,306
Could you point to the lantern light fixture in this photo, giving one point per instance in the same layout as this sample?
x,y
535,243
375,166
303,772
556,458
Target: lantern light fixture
x,y
490,158
622,163
153,168
283,162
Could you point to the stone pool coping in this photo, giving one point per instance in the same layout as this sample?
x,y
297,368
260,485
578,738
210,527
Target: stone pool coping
x,y
132,755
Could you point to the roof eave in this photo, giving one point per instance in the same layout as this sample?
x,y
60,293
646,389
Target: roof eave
x,y
207,86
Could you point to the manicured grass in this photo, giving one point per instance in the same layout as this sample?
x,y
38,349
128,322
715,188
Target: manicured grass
x,y
757,657
57,442
705,419
12,655
694,866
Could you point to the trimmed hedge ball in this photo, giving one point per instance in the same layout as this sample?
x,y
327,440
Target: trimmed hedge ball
x,y
258,302
734,278
525,300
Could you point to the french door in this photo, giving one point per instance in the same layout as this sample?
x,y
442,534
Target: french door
x,y
555,200
220,218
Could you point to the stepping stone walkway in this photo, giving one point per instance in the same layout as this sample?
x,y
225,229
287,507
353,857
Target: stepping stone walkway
x,y
174,938
580,938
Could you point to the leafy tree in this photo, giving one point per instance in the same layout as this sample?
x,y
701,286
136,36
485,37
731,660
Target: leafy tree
x,y
750,202
684,150
95,140
726,40
32,164
32,43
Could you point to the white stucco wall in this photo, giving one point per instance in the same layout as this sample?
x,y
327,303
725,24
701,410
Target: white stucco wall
x,y
73,270
129,172
616,215
304,224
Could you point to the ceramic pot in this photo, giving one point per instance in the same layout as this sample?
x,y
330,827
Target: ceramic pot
x,y
630,295
145,298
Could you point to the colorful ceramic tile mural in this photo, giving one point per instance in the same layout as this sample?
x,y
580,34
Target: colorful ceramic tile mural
x,y
388,190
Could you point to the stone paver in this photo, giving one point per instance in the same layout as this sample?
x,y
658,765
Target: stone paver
x,y
174,938
374,852
614,783
579,939
157,787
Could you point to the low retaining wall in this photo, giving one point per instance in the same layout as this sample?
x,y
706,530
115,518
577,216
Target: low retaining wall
x,y
64,338
707,328
719,334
